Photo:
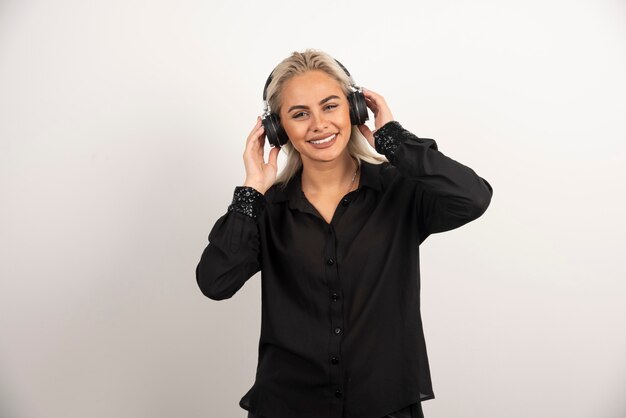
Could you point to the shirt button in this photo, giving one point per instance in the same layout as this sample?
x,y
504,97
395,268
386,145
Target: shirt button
x,y
345,202
334,360
335,296
338,393
338,330
330,261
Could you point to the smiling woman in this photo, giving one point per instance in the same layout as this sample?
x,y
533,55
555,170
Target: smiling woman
x,y
318,129
336,237
314,88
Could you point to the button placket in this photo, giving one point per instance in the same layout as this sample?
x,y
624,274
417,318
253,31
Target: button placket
x,y
336,324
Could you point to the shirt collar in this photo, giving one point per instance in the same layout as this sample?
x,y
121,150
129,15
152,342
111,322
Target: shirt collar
x,y
370,177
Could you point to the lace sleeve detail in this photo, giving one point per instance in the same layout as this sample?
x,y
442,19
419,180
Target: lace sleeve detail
x,y
248,201
388,137
391,135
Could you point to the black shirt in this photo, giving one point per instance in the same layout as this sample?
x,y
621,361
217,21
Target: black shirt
x,y
341,329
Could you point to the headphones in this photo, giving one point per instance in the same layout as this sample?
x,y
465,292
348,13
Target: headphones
x,y
276,134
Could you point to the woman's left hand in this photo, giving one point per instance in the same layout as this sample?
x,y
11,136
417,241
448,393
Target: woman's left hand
x,y
382,114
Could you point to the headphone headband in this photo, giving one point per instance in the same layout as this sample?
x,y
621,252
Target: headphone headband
x,y
269,79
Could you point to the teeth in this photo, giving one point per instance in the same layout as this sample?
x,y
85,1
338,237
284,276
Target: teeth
x,y
322,141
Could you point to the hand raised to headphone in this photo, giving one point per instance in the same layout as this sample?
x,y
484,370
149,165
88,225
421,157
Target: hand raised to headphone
x,y
382,114
259,174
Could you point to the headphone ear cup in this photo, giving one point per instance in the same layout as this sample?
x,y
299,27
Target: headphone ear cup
x,y
358,108
274,131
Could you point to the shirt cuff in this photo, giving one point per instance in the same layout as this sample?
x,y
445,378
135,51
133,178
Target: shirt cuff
x,y
248,201
389,137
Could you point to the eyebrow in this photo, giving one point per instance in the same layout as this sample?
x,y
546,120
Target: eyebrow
x,y
306,107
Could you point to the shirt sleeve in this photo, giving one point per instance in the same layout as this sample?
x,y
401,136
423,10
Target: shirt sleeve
x,y
450,193
233,253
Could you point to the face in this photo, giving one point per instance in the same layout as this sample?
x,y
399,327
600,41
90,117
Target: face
x,y
314,107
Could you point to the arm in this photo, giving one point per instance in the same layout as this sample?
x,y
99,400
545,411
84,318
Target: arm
x,y
233,253
450,194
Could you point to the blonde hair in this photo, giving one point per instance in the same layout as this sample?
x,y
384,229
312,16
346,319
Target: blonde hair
x,y
299,63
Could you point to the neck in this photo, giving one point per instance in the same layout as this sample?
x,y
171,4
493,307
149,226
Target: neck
x,y
329,177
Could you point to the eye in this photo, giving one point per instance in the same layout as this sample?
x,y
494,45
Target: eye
x,y
332,106
297,115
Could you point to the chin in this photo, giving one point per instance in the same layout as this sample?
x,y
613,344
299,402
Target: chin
x,y
325,155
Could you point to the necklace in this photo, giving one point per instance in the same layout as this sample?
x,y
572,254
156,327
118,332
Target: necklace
x,y
354,176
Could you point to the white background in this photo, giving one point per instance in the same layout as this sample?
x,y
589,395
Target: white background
x,y
122,129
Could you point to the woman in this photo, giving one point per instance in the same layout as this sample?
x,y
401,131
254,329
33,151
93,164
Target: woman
x,y
336,237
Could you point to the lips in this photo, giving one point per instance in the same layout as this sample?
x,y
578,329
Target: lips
x,y
323,140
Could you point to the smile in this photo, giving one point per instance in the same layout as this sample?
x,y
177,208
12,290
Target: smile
x,y
325,140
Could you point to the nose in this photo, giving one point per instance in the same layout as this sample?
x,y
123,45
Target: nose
x,y
318,122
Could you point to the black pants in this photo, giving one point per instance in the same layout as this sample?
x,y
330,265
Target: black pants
x,y
411,411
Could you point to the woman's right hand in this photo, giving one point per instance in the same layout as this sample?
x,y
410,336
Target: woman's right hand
x,y
259,175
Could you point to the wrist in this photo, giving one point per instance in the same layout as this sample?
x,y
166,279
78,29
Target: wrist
x,y
258,187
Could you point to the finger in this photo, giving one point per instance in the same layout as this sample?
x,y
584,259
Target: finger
x,y
256,125
251,141
273,157
375,98
365,130
261,144
371,99
372,105
369,93
254,135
